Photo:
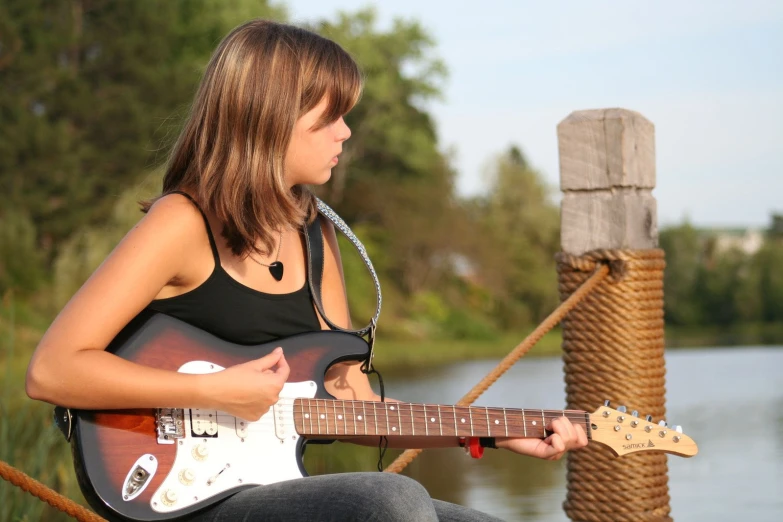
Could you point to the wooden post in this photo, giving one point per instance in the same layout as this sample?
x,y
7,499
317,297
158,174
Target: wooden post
x,y
613,341
607,173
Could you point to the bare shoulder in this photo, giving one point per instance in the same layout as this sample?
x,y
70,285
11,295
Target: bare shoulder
x,y
174,215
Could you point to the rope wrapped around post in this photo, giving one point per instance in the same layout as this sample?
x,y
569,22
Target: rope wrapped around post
x,y
613,348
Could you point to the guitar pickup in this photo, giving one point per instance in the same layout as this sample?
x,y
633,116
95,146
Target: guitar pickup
x,y
203,423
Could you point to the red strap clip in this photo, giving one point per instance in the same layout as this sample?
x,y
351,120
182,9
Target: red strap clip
x,y
476,450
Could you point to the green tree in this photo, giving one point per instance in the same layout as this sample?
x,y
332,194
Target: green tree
x,y
21,267
768,262
518,236
392,177
91,91
394,138
684,250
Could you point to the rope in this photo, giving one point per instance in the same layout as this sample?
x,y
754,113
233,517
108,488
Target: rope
x,y
613,346
599,273
48,495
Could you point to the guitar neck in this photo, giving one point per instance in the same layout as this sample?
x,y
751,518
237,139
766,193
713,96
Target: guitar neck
x,y
324,417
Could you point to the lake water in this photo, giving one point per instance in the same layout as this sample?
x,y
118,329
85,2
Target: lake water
x,y
729,400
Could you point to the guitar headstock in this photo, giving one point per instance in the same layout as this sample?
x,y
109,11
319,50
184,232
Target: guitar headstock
x,y
625,433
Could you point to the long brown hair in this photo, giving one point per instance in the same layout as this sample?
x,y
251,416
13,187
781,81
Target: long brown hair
x,y
262,77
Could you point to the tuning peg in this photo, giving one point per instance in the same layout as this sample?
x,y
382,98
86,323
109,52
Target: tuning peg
x,y
648,418
607,402
662,423
634,413
678,429
622,409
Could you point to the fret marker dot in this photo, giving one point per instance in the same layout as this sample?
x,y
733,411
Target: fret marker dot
x,y
307,415
340,417
432,419
462,420
497,421
394,428
534,423
323,416
359,417
392,408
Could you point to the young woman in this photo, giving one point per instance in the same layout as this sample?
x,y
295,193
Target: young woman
x,y
267,120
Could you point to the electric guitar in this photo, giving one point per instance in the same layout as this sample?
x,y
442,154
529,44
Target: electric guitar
x,y
160,464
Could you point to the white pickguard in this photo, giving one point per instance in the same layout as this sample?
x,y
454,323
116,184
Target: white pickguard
x,y
243,452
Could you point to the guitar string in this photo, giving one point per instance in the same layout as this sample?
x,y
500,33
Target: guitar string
x,y
549,414
351,424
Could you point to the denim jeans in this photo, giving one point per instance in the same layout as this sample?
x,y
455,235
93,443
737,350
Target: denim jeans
x,y
342,497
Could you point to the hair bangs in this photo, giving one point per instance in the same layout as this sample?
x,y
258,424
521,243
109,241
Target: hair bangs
x,y
336,76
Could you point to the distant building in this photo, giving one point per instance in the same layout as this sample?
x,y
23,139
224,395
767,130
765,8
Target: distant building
x,y
748,240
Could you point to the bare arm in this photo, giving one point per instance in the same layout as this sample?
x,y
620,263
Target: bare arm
x,y
71,368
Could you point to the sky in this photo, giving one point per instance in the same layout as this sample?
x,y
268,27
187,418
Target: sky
x,y
707,74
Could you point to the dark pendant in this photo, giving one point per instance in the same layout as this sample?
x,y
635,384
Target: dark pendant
x,y
276,269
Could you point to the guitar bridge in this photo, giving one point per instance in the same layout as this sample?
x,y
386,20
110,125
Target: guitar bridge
x,y
170,424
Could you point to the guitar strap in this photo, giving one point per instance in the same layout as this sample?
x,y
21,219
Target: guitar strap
x,y
315,267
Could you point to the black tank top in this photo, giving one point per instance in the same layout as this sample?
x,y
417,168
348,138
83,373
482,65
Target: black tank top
x,y
224,307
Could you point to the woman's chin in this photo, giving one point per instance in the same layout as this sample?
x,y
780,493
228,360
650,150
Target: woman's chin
x,y
315,178
322,178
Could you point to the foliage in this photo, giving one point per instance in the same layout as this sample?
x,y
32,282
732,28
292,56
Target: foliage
x,y
90,89
709,284
28,439
518,236
21,267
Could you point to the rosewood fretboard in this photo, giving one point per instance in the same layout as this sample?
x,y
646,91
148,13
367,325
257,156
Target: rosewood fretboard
x,y
356,418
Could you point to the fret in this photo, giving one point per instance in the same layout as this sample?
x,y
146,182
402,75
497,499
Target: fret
x,y
440,422
413,423
426,424
399,418
318,413
326,415
345,419
388,430
543,423
489,429
353,409
524,422
454,410
470,413
336,418
375,417
505,421
310,414
364,416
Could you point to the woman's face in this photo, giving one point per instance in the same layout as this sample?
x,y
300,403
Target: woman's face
x,y
312,153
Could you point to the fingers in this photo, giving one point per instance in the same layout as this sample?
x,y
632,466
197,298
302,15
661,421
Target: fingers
x,y
270,360
283,370
581,436
557,446
563,427
566,436
573,435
